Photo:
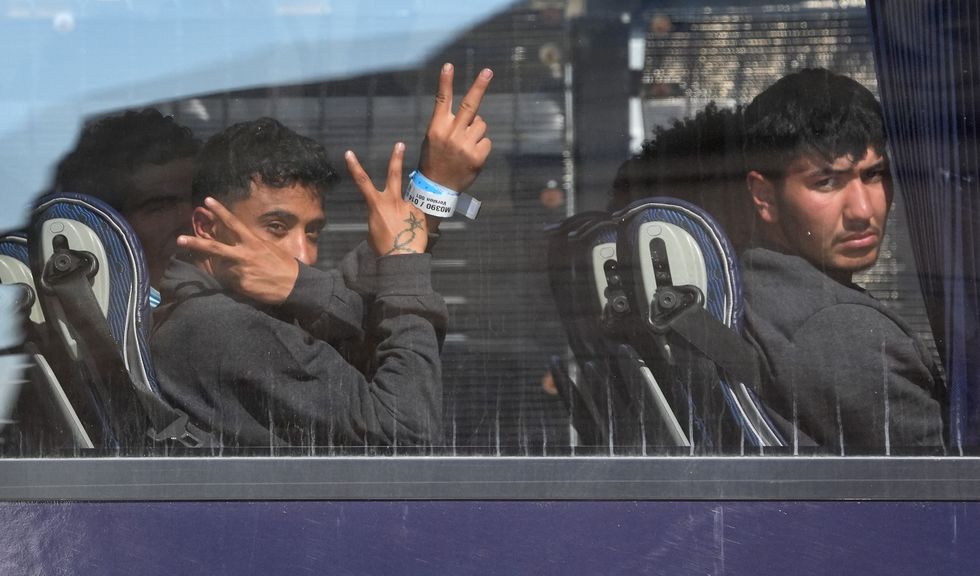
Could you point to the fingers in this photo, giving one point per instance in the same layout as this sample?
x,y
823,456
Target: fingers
x,y
361,178
229,220
471,102
394,181
476,130
444,94
483,148
207,247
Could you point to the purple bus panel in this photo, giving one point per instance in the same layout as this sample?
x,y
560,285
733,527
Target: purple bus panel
x,y
474,537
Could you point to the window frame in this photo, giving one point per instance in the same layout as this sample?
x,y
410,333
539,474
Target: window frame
x,y
755,478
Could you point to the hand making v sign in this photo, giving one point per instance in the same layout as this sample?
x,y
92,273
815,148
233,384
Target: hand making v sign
x,y
453,153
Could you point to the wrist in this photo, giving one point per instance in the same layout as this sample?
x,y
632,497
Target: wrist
x,y
402,251
434,199
439,179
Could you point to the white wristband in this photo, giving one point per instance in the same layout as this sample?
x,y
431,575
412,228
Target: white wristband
x,y
437,200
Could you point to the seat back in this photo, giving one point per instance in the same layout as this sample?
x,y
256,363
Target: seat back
x,y
14,301
624,400
651,300
594,246
17,285
42,421
94,292
680,276
15,269
581,393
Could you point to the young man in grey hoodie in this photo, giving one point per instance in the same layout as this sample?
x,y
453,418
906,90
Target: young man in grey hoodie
x,y
848,370
261,348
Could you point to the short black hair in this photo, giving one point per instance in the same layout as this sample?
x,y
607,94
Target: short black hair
x,y
811,112
697,159
110,149
263,151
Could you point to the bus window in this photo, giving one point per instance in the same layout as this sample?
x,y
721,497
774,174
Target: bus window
x,y
664,260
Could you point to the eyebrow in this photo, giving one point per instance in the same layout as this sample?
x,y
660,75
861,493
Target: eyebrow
x,y
284,215
828,170
881,163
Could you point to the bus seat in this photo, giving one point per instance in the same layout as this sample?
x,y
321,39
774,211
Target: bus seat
x,y
650,298
14,300
94,292
583,393
679,274
581,248
41,419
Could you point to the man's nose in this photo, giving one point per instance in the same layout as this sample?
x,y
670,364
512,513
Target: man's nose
x,y
302,249
859,202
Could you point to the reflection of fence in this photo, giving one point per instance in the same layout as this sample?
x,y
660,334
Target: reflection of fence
x,y
731,51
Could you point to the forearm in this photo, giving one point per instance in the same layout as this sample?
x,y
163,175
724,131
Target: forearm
x,y
403,403
407,325
309,393
391,389
324,306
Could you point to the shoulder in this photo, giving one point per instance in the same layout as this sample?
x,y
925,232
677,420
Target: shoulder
x,y
783,291
844,341
854,326
787,291
201,318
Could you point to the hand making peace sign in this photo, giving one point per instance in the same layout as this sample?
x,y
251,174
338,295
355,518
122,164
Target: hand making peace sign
x,y
453,153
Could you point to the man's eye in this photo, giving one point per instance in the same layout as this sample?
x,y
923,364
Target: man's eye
x,y
825,184
874,176
276,228
313,236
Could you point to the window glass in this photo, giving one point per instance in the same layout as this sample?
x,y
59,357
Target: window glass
x,y
580,317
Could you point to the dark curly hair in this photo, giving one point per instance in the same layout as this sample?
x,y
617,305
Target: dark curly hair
x,y
813,111
110,149
696,159
261,150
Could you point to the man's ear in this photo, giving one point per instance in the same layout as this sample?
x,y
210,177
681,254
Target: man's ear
x,y
763,193
204,223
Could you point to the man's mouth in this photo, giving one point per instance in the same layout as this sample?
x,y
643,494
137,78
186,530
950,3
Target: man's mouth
x,y
860,241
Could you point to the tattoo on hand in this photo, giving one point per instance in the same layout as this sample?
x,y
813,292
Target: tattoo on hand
x,y
405,237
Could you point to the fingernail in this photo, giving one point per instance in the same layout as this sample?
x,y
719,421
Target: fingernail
x,y
349,155
486,73
447,68
182,240
399,147
209,201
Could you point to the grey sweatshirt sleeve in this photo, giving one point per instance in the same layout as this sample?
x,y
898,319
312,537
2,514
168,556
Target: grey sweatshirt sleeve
x,y
258,380
324,306
360,270
398,398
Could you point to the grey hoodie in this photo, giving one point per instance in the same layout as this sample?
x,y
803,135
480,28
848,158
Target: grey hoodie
x,y
329,367
847,369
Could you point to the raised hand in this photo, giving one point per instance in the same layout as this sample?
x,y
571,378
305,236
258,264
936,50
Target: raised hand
x,y
394,225
455,147
242,261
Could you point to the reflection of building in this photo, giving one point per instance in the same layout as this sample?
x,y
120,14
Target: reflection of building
x,y
554,61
